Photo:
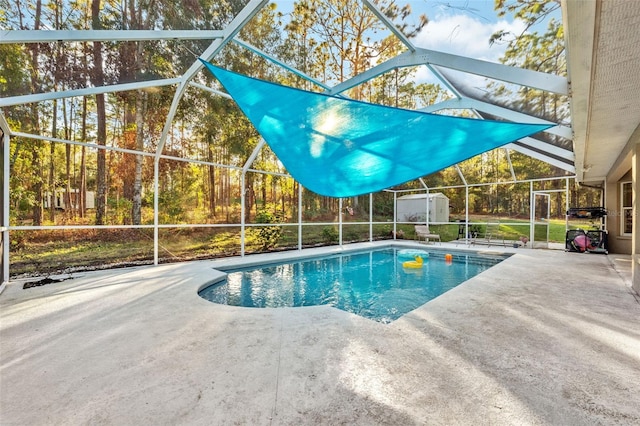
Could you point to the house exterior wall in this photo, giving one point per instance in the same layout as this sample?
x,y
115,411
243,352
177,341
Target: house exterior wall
x,y
617,243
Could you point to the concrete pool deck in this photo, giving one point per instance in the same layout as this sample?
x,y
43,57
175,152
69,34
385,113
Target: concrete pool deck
x,y
545,337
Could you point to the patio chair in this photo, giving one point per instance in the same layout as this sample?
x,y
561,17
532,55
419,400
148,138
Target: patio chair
x,y
492,236
422,231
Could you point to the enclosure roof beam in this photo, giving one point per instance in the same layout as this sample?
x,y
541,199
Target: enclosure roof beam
x,y
265,172
245,15
444,80
4,125
535,154
475,106
547,147
210,89
50,36
80,143
461,175
253,155
538,80
240,20
387,22
478,185
513,172
88,91
521,76
498,111
122,150
280,63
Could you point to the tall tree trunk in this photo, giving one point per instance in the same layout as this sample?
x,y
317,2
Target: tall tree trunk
x,y
264,190
225,195
36,160
136,213
82,190
52,152
249,196
226,191
98,80
67,130
35,118
296,203
212,184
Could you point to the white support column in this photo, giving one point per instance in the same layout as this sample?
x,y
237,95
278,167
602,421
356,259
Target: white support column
x,y
566,206
466,213
532,214
299,216
156,208
635,203
426,216
603,203
426,187
5,209
243,191
243,180
340,222
370,217
395,214
466,204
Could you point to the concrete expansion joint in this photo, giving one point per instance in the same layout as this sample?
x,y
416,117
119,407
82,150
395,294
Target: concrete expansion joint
x,y
274,412
623,277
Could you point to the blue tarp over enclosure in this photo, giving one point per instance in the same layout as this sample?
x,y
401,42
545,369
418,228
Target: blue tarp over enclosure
x,y
341,148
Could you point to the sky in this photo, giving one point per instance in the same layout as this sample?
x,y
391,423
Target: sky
x,y
464,27
461,27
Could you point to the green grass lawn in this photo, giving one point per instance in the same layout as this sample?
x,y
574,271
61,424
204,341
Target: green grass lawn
x,y
509,229
52,252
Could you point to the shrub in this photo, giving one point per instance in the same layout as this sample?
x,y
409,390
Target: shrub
x,y
268,236
330,234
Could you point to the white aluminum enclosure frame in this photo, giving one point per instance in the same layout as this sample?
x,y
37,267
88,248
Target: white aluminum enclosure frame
x,y
219,38
4,226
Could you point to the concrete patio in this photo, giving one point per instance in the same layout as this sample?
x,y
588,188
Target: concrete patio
x,y
545,337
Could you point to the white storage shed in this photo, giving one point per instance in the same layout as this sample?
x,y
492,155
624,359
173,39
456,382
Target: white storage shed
x,y
74,197
413,208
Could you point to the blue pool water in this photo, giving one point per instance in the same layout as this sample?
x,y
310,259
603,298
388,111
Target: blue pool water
x,y
372,284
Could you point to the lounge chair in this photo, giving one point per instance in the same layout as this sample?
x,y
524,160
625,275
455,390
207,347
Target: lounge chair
x,y
492,237
422,231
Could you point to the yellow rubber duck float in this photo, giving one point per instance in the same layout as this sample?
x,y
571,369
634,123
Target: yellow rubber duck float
x,y
417,263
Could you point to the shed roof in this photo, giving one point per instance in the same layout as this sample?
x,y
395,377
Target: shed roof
x,y
423,196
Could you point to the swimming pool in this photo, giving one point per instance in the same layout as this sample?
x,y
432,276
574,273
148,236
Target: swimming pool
x,y
373,284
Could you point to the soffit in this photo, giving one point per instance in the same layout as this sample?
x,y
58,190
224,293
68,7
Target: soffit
x,y
604,73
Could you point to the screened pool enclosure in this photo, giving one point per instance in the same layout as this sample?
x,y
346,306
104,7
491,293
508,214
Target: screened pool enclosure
x,y
323,161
